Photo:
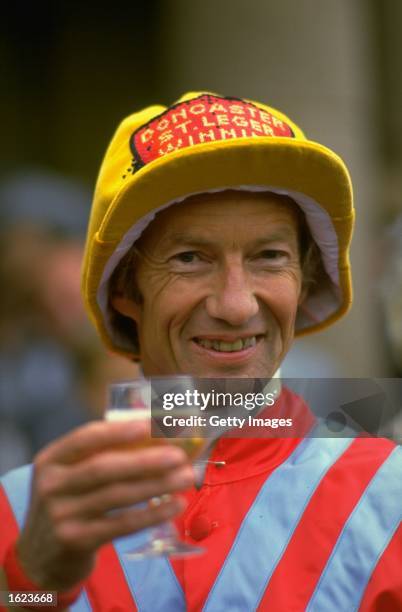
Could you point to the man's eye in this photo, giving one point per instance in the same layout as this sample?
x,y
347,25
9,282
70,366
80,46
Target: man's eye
x,y
186,257
273,254
272,258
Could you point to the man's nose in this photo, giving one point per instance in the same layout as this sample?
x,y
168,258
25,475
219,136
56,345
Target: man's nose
x,y
232,298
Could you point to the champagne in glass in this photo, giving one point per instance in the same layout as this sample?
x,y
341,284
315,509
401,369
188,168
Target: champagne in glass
x,y
132,401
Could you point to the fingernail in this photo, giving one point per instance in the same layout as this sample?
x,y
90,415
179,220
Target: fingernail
x,y
173,456
166,497
186,477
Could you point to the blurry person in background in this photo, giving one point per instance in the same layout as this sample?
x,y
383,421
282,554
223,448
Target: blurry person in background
x,y
53,370
390,291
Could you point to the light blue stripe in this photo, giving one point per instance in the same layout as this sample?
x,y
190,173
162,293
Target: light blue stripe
x,y
152,582
269,525
362,541
82,604
17,487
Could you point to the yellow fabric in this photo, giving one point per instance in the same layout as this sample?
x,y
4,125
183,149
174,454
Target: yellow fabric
x,y
294,164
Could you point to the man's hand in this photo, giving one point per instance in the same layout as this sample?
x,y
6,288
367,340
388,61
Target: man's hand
x,y
83,490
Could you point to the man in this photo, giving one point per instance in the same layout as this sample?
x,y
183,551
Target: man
x,y
218,232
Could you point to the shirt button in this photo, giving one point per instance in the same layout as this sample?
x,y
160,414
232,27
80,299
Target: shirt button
x,y
200,527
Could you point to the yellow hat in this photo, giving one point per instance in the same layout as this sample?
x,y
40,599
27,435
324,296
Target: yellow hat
x,y
208,143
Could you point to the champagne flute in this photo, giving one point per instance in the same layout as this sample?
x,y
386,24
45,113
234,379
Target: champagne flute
x,y
132,401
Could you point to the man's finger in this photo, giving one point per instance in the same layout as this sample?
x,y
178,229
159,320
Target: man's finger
x,y
120,495
88,535
113,466
92,438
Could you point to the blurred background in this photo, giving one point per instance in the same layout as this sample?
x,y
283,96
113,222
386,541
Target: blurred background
x,y
70,73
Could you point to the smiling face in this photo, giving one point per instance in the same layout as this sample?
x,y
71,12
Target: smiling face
x,y
220,280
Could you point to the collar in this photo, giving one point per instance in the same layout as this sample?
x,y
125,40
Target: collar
x,y
235,458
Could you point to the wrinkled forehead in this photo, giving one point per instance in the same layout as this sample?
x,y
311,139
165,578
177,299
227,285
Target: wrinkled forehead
x,y
243,211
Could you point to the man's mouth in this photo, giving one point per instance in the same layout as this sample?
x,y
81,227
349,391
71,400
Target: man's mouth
x,y
225,346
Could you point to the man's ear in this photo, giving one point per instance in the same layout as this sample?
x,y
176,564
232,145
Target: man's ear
x,y
126,307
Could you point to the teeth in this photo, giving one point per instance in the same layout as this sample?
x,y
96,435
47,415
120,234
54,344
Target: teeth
x,y
229,346
250,342
220,345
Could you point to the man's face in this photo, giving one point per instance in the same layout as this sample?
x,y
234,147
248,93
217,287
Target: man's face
x,y
220,280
